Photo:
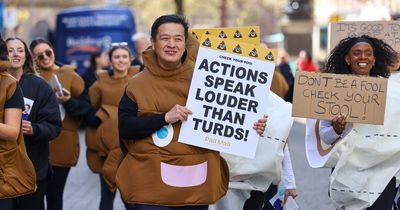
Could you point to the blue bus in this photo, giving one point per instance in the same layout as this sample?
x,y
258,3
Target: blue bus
x,y
81,31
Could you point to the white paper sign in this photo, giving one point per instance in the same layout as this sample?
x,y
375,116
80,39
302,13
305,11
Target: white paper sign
x,y
228,94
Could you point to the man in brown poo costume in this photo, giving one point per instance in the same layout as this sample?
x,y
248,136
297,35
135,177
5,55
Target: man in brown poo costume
x,y
158,172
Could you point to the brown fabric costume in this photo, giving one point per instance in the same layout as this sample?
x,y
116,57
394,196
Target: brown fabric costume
x,y
105,153
17,174
64,150
279,85
140,175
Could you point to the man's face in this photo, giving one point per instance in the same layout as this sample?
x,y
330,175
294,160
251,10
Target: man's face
x,y
169,45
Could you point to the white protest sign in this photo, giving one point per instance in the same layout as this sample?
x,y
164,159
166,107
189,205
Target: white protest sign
x,y
228,93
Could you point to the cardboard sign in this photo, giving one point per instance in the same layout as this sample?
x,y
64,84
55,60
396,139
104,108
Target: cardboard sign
x,y
324,96
388,31
228,94
247,34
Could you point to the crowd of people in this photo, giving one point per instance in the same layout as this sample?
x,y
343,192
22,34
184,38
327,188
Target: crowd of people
x,y
121,101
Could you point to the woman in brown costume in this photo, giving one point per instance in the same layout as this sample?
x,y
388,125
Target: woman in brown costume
x,y
104,153
17,175
74,105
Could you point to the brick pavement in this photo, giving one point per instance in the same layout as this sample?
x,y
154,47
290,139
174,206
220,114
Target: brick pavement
x,y
82,191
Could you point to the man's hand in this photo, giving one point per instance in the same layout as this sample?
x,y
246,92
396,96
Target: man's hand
x,y
177,113
259,126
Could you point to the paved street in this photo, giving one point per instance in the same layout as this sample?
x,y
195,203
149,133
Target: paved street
x,y
312,184
83,188
82,191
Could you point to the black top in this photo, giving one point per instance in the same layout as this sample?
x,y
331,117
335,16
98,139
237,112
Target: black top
x,y
132,127
136,62
81,108
16,100
286,71
45,119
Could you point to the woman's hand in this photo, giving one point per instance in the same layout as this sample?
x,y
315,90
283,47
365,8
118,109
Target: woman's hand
x,y
27,127
177,113
62,99
339,123
259,126
289,192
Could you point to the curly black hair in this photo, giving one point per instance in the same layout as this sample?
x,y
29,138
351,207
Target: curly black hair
x,y
384,54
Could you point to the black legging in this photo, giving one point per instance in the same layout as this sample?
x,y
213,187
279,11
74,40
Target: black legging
x,y
55,188
260,200
107,197
385,200
7,204
151,207
32,200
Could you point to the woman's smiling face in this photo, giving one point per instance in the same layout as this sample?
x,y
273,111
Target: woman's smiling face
x,y
361,58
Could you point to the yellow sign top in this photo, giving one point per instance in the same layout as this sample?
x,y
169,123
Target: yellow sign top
x,y
248,34
239,48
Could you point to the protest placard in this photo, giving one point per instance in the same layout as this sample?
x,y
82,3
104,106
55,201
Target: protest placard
x,y
247,34
323,96
388,31
228,93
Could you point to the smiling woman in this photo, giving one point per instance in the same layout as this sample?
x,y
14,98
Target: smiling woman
x,y
365,56
17,175
64,150
103,152
42,121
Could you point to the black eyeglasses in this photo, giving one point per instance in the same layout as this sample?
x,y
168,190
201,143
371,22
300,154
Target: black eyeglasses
x,y
115,44
47,52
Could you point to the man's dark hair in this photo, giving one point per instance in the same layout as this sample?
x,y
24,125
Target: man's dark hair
x,y
169,19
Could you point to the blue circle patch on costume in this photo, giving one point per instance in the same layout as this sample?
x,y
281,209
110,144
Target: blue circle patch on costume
x,y
163,136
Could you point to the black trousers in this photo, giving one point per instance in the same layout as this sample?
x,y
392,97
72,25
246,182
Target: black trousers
x,y
30,201
7,204
150,207
33,200
55,188
260,200
106,197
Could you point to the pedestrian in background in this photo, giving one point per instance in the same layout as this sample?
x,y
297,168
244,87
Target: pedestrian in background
x,y
142,42
43,122
98,61
305,62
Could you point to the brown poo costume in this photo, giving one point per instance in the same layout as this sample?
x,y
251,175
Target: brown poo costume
x,y
17,175
64,150
103,151
176,174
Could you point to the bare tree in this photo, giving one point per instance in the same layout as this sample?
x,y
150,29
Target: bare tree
x,y
224,13
179,7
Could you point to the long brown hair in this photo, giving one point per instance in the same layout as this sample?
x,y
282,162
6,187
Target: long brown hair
x,y
28,67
